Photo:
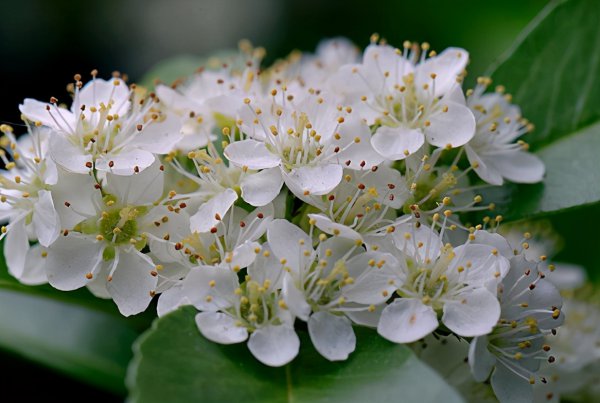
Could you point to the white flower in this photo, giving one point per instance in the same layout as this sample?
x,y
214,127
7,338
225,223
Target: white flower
x,y
306,145
210,98
514,350
232,312
318,284
229,241
26,196
410,99
103,250
106,129
330,55
458,283
541,242
576,348
213,177
197,121
493,152
364,204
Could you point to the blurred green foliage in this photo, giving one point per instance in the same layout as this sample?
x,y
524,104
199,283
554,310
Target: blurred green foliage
x,y
484,28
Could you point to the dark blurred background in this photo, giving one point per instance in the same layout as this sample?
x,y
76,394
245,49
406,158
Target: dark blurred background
x,y
44,42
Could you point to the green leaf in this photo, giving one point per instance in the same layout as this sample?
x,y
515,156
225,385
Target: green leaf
x,y
173,362
553,71
87,344
73,332
572,179
170,70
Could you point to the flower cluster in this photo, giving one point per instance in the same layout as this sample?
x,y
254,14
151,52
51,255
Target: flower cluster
x,y
330,189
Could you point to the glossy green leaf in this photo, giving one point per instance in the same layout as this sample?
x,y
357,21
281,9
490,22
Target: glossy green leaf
x,y
90,345
173,362
73,332
553,71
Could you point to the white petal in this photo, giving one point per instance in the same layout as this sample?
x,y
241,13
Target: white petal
x,y
396,143
97,285
332,335
79,191
289,242
238,235
336,51
366,317
518,166
16,246
280,204
334,249
177,223
102,91
132,283
359,154
274,345
173,99
447,66
317,180
407,238
170,300
545,296
382,58
330,227
407,320
474,313
455,127
210,288
373,284
69,260
45,219
488,173
205,218
262,187
69,156
34,270
143,188
158,137
494,239
509,387
125,161
267,268
36,111
482,265
220,328
294,298
481,360
243,255
252,154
